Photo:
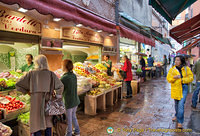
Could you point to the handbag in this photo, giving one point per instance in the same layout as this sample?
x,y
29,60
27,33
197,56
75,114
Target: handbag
x,y
54,105
123,74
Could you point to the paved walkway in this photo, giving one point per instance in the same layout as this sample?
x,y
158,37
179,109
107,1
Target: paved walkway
x,y
148,113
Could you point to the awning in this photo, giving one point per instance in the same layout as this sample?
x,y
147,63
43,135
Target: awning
x,y
130,34
196,42
181,51
186,30
169,9
61,9
160,38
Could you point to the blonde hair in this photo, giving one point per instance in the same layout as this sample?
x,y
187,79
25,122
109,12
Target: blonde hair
x,y
41,62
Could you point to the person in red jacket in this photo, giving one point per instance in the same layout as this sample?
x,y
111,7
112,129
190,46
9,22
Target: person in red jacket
x,y
127,68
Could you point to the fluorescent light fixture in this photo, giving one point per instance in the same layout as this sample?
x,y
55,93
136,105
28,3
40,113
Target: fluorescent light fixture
x,y
22,10
111,35
79,25
56,19
99,31
74,46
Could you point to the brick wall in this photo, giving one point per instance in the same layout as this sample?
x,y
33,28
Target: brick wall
x,y
195,51
195,7
105,8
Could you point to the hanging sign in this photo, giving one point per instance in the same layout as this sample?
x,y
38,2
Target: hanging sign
x,y
17,22
81,34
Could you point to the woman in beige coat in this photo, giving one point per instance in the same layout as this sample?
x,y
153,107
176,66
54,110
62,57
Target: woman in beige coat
x,y
37,84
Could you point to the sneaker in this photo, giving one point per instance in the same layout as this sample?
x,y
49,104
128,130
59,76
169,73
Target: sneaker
x,y
126,97
193,107
74,134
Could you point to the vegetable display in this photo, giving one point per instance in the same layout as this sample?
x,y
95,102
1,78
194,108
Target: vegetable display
x,y
10,104
24,118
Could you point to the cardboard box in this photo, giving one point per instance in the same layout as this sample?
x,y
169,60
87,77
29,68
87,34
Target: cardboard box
x,y
135,87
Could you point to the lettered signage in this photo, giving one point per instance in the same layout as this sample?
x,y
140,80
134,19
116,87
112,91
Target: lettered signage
x,y
81,34
17,22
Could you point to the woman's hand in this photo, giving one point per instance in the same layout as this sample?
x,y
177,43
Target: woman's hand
x,y
177,77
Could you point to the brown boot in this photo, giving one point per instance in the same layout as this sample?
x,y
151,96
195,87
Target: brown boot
x,y
174,119
180,126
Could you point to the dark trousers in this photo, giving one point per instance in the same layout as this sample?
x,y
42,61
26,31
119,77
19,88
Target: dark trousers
x,y
129,88
48,132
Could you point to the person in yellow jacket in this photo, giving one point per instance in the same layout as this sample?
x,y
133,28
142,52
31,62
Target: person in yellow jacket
x,y
179,76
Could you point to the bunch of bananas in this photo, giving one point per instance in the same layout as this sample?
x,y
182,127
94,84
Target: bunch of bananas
x,y
100,67
95,92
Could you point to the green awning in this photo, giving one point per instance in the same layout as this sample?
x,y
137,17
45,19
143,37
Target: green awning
x,y
169,9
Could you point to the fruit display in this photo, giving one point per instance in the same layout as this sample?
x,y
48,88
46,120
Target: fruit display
x,y
59,73
100,67
3,84
7,83
78,64
8,80
10,104
94,92
93,57
84,84
5,130
147,68
24,118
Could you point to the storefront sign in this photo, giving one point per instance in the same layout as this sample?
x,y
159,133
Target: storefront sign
x,y
17,22
81,34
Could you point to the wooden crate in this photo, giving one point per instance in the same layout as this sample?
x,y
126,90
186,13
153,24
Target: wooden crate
x,y
92,103
23,129
117,93
135,87
109,97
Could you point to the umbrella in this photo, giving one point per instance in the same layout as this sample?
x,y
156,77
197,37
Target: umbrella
x,y
188,56
140,54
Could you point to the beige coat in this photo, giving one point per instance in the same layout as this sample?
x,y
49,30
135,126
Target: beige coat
x,y
37,83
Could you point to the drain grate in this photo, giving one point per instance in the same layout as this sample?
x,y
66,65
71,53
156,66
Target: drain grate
x,y
131,111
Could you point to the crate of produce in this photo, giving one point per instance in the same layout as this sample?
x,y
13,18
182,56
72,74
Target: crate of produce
x,y
23,129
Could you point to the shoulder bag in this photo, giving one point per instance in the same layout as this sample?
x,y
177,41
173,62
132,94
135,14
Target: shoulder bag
x,y
54,105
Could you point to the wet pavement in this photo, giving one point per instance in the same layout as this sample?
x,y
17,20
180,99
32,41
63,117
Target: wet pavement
x,y
148,113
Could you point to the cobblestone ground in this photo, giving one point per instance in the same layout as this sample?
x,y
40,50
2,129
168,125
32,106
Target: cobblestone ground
x,y
148,113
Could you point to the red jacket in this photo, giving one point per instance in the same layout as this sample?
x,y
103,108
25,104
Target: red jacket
x,y
127,68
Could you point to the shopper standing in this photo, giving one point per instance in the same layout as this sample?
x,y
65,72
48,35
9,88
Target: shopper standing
x,y
142,63
179,76
127,69
37,84
169,58
196,71
150,61
165,65
70,97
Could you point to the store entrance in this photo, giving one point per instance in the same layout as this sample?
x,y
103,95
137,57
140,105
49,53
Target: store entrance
x,y
14,47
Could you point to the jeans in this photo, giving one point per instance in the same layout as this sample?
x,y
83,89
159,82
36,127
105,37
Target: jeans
x,y
195,95
48,132
179,105
71,118
165,71
129,88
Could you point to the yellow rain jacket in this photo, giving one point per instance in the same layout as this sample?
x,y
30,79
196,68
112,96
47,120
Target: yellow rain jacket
x,y
176,84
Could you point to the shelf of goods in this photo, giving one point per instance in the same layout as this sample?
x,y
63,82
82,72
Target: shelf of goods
x,y
12,103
